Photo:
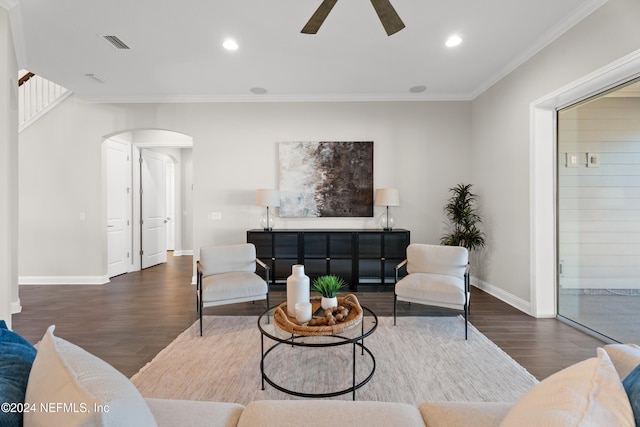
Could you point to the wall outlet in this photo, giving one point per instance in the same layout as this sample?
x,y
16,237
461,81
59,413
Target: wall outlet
x,y
593,160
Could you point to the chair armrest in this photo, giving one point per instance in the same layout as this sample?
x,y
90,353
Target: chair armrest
x,y
398,267
198,275
466,276
266,270
261,263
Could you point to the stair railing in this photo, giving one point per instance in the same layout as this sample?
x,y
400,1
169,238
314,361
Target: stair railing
x,y
36,96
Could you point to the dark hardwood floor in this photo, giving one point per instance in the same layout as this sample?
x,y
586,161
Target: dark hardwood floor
x,y
129,320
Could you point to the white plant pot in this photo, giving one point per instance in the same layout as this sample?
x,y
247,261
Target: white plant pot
x,y
328,302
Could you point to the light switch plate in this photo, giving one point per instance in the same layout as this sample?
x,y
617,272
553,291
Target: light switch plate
x,y
573,160
593,160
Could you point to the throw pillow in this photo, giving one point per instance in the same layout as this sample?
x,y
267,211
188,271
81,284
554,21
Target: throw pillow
x,y
588,393
625,357
632,386
16,359
71,387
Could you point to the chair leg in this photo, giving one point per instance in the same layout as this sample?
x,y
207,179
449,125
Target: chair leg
x,y
395,303
201,307
466,322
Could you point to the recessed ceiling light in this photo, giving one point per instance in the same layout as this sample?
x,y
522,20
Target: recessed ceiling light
x,y
417,89
230,44
453,41
258,90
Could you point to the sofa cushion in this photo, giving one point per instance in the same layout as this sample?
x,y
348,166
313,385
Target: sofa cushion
x,y
71,387
16,358
632,386
178,413
464,414
625,357
321,413
588,393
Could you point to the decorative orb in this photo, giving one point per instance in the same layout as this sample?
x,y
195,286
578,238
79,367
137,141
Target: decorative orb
x,y
383,221
267,224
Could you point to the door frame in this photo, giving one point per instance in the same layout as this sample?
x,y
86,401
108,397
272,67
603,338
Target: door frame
x,y
183,141
543,154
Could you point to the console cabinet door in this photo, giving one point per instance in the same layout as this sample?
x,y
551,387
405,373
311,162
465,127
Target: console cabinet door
x,y
360,257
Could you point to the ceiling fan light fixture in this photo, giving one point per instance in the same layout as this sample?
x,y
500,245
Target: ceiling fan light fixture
x,y
258,90
453,41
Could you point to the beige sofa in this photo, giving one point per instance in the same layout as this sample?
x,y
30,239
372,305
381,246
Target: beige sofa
x,y
589,393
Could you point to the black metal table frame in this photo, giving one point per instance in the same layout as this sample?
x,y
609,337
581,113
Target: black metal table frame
x,y
341,340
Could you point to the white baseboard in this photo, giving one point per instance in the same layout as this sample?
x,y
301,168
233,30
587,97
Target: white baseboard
x,y
512,300
16,307
184,252
63,280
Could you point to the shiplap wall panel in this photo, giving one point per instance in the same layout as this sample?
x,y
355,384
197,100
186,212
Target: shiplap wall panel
x,y
599,207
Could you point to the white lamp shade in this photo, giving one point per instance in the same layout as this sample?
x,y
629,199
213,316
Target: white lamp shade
x,y
387,197
265,197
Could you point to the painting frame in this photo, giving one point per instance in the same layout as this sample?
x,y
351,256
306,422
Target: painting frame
x,y
326,179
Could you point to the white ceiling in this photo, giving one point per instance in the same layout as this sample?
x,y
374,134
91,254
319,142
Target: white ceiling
x,y
176,53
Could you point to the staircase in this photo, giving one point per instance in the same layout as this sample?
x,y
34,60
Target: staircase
x,y
36,96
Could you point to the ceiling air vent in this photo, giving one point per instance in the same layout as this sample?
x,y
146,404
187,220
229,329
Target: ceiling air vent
x,y
116,42
95,78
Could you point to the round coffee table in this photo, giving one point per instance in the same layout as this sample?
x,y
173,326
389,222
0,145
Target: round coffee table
x,y
353,336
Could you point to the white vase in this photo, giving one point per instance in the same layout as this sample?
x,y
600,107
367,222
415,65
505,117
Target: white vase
x,y
328,302
297,288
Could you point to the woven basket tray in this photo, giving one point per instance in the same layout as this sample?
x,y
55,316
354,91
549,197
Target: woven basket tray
x,y
290,324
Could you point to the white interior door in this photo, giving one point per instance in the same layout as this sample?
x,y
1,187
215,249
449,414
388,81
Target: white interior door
x,y
171,207
118,207
153,207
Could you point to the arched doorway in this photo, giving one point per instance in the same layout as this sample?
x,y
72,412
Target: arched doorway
x,y
143,223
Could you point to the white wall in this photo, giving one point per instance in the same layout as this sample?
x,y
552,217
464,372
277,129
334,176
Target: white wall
x,y
501,139
9,299
419,147
599,207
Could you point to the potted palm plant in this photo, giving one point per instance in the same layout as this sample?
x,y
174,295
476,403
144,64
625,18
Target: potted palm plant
x,y
328,286
463,216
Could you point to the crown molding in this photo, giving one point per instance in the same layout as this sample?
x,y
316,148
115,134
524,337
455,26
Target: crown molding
x,y
282,98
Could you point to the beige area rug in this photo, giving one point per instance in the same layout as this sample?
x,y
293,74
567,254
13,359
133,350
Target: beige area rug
x,y
420,359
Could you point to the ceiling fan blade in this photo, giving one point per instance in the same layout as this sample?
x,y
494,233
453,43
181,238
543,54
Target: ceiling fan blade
x,y
318,17
388,16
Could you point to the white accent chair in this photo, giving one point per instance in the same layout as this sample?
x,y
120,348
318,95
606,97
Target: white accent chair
x,y
227,275
436,276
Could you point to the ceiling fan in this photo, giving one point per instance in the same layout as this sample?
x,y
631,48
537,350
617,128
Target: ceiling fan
x,y
387,14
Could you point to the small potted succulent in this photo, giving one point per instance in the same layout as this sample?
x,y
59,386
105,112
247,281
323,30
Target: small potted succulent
x,y
328,286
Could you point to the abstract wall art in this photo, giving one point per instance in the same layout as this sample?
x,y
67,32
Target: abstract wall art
x,y
326,179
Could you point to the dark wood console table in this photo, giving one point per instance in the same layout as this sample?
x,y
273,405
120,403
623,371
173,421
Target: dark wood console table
x,y
362,257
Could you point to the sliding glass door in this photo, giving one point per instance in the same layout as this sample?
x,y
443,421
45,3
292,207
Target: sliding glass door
x,y
599,213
